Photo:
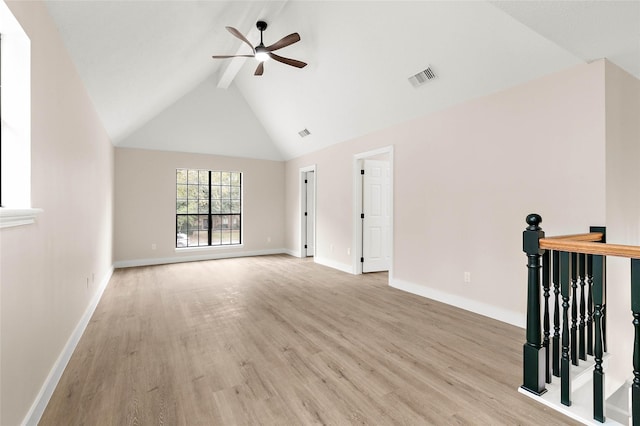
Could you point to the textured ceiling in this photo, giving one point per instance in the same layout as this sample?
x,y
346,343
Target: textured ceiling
x,y
142,61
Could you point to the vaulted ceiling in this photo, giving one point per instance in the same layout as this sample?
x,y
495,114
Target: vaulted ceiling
x,y
147,64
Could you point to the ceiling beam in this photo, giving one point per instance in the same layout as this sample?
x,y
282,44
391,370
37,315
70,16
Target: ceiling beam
x,y
235,64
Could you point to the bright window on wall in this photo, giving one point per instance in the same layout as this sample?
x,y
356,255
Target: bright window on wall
x,y
208,208
15,105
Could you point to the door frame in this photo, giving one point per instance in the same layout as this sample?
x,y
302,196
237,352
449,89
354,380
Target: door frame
x,y
357,206
301,228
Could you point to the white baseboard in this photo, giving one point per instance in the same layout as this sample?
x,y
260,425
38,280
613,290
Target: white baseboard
x,y
510,317
294,253
42,399
333,264
196,258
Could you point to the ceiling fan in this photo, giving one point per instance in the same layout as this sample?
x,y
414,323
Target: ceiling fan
x,y
262,53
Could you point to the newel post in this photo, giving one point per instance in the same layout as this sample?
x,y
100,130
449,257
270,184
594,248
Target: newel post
x,y
534,352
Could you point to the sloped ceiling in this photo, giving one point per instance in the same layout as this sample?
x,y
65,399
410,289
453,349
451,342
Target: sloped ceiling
x,y
207,120
590,30
147,64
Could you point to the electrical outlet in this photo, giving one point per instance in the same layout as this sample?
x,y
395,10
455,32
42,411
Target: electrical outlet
x,y
348,251
467,277
268,239
153,246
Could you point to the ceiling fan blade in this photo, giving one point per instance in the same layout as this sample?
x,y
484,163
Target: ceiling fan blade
x,y
240,36
231,56
284,42
260,69
292,62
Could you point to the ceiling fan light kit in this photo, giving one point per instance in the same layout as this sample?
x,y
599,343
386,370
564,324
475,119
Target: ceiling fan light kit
x,y
263,53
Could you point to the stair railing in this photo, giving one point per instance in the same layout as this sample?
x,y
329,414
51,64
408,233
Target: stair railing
x,y
576,267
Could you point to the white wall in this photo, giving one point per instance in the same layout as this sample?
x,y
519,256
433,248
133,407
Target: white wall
x,y
464,180
623,211
146,206
52,271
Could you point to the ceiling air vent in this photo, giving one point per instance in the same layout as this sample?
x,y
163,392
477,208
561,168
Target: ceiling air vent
x,y
304,132
422,77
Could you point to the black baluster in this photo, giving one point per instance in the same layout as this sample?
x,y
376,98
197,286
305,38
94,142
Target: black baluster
x,y
590,304
546,275
598,372
556,314
574,308
604,314
582,354
533,359
565,384
635,308
603,231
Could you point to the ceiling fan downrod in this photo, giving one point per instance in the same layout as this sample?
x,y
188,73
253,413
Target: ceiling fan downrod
x,y
261,25
261,52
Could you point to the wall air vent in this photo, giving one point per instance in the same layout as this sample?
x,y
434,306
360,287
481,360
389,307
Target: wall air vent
x,y
422,77
304,132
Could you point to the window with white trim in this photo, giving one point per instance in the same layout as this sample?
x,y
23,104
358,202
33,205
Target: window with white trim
x,y
15,122
208,208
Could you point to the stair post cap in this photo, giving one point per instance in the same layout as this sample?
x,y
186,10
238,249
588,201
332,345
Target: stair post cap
x,y
534,220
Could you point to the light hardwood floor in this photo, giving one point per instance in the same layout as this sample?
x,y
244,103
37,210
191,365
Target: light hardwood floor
x,y
278,340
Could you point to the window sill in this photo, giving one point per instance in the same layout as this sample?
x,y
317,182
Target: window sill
x,y
204,248
17,217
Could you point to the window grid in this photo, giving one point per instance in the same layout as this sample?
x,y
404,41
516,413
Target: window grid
x,y
208,208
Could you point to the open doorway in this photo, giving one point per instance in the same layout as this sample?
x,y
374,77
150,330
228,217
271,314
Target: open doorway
x,y
307,211
373,204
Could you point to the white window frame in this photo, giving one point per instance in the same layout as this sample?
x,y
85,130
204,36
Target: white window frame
x,y
211,215
15,179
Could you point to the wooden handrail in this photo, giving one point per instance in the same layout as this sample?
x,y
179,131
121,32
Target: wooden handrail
x,y
591,236
588,247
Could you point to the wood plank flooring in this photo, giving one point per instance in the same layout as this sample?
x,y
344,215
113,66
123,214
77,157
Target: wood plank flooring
x,y
277,340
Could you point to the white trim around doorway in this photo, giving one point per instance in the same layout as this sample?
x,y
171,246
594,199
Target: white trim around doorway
x,y
357,203
312,168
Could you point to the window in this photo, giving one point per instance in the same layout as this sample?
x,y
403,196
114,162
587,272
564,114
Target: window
x,y
208,208
15,142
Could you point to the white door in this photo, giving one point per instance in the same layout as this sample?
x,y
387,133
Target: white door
x,y
376,223
309,213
